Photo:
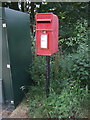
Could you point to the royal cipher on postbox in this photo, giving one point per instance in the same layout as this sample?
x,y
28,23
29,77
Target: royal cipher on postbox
x,y
46,34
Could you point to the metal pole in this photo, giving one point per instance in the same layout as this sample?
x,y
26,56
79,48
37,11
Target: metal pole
x,y
47,75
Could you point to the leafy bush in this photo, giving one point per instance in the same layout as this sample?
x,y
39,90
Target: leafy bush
x,y
37,70
68,91
69,79
68,104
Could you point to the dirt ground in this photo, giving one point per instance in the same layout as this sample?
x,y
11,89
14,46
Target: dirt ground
x,y
20,112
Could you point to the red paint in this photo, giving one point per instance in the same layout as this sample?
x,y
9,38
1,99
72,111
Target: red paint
x,y
46,32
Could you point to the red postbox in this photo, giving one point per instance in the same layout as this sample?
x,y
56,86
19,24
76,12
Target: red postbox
x,y
46,34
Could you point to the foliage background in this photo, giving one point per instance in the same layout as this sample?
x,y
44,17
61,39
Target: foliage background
x,y
70,66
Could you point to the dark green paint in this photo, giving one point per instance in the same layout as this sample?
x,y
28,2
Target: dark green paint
x,y
17,53
1,100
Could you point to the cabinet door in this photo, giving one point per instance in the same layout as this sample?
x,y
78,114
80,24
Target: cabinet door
x,y
6,70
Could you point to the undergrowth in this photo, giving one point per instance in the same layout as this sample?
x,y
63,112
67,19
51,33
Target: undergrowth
x,y
68,104
69,81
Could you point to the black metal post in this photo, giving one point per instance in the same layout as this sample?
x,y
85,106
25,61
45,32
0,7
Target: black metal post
x,y
47,75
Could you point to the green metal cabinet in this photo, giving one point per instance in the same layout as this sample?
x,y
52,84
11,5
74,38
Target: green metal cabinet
x,y
1,99
16,54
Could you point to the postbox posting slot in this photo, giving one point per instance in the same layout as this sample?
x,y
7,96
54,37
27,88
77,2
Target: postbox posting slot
x,y
43,20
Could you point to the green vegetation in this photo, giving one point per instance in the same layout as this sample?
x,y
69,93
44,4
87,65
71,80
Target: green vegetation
x,y
70,66
68,103
70,86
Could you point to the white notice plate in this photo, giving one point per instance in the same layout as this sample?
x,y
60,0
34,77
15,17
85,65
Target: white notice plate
x,y
44,41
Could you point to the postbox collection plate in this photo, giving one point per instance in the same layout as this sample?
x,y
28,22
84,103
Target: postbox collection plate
x,y
44,41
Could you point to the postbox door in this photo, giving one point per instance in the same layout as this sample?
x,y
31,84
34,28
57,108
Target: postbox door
x,y
44,42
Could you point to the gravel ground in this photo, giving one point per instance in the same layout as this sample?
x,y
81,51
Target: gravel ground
x,y
9,112
5,110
